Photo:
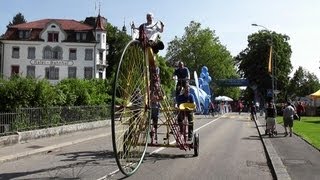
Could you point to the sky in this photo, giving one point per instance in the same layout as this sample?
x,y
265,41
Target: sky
x,y
230,19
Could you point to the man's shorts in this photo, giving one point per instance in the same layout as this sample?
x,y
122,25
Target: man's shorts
x,y
288,121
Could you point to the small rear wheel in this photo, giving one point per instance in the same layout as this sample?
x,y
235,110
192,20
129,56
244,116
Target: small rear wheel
x,y
196,144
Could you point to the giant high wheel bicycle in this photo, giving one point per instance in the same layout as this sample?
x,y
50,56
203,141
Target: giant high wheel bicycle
x,y
130,111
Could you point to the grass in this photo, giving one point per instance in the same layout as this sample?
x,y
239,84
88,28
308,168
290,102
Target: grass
x,y
308,128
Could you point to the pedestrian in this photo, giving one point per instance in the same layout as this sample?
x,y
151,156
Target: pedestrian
x,y
240,106
300,110
253,112
288,114
270,117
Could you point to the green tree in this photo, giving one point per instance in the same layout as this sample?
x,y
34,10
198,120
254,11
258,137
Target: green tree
x,y
302,83
166,72
117,41
201,47
253,62
17,19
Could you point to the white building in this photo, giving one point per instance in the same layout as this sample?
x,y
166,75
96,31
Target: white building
x,y
55,49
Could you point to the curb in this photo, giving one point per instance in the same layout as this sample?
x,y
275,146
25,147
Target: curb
x,y
53,131
279,171
47,149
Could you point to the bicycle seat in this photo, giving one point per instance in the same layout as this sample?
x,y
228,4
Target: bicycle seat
x,y
187,106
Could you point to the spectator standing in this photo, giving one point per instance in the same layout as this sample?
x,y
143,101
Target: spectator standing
x,y
288,114
300,110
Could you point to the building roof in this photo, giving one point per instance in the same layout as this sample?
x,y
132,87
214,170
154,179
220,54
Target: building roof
x,y
70,26
66,24
99,23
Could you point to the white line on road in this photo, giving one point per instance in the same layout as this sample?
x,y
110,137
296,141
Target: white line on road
x,y
162,148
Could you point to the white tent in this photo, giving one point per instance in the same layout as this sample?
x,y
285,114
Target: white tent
x,y
223,98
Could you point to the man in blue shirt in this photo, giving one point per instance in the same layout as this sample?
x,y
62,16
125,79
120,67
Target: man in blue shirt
x,y
183,75
186,97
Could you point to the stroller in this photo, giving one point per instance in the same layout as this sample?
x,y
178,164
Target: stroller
x,y
271,127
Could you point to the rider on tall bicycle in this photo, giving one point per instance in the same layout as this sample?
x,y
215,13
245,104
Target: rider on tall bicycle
x,y
182,74
186,97
150,31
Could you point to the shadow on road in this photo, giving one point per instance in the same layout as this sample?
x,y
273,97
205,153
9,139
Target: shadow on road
x,y
75,165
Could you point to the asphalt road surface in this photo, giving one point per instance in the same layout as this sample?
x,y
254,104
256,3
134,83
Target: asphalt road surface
x,y
230,148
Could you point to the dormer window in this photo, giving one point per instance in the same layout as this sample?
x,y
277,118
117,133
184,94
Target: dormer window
x,y
24,34
53,26
53,37
81,36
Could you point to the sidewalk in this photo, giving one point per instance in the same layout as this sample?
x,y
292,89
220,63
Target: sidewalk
x,y
291,157
44,145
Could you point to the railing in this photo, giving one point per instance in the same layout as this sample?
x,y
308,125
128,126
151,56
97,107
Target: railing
x,y
25,119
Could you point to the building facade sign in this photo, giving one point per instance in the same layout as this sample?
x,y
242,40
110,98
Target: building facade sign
x,y
52,62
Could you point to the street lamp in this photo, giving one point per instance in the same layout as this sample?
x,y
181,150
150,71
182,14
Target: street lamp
x,y
272,61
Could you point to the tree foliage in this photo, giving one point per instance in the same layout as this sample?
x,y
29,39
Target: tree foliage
x,y
17,19
302,83
116,40
201,47
253,61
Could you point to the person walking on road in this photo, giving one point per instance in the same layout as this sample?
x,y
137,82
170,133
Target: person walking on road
x,y
288,114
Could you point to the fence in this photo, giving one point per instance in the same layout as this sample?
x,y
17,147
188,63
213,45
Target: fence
x,y
25,119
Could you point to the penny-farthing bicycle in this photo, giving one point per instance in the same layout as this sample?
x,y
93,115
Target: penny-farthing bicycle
x,y
130,111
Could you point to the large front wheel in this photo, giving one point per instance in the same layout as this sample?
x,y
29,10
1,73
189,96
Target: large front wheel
x,y
130,110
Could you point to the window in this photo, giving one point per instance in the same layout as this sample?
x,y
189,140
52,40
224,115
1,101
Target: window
x,y
53,36
23,34
103,38
72,72
47,54
52,53
15,52
84,36
88,72
88,54
52,73
14,70
78,36
31,52
72,54
100,56
31,71
57,53
98,37
81,36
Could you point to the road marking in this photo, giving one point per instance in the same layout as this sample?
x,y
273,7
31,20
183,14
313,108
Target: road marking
x,y
160,149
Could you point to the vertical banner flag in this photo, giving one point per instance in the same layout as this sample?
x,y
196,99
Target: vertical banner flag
x,y
270,60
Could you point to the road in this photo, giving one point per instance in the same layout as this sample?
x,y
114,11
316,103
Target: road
x,y
230,148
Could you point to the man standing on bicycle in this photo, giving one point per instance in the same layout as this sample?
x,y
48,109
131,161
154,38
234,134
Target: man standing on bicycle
x,y
151,31
186,97
182,74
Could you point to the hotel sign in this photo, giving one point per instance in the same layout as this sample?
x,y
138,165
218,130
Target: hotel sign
x,y
52,62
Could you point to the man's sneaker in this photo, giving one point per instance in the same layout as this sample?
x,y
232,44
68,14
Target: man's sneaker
x,y
285,134
290,134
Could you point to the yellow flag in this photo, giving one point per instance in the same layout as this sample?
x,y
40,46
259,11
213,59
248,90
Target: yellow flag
x,y
270,60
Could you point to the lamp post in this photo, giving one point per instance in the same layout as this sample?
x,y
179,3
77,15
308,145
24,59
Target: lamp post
x,y
272,61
